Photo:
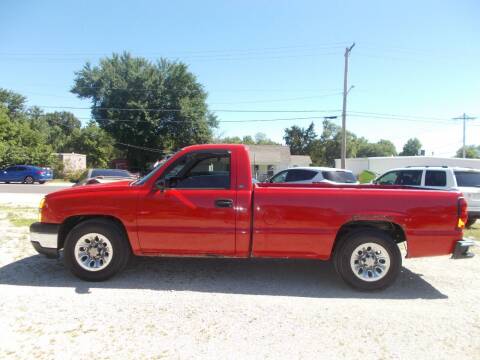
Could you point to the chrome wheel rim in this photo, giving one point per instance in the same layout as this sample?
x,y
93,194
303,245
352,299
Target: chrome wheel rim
x,y
370,262
29,180
93,252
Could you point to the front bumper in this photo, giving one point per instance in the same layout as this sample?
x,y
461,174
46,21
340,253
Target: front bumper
x,y
461,249
44,238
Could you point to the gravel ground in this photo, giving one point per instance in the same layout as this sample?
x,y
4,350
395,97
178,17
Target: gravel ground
x,y
212,308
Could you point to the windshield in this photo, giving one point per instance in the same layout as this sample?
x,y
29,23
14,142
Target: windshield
x,y
339,176
467,178
144,179
110,173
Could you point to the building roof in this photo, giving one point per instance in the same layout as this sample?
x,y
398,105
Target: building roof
x,y
269,154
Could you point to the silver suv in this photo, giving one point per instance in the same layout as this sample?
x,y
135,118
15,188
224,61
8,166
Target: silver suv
x,y
465,180
314,175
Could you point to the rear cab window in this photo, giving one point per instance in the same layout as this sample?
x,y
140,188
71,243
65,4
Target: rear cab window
x,y
436,178
339,176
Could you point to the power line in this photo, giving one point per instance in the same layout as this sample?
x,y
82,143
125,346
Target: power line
x,y
464,117
209,51
179,110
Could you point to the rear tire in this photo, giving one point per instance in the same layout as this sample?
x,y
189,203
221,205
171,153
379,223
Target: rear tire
x,y
96,250
41,182
29,180
470,222
368,259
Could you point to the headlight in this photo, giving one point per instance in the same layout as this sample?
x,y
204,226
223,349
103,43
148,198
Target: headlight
x,y
40,208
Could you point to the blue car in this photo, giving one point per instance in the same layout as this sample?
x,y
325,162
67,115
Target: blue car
x,y
26,174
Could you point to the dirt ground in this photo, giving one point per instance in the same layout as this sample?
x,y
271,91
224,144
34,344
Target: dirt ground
x,y
212,308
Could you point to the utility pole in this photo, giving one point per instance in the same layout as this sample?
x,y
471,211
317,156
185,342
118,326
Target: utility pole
x,y
464,117
344,111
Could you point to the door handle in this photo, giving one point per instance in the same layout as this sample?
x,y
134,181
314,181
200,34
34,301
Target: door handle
x,y
223,203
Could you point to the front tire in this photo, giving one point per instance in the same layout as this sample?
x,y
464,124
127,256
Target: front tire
x,y
368,259
96,250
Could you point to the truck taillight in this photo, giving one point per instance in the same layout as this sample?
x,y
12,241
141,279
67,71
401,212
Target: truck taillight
x,y
462,213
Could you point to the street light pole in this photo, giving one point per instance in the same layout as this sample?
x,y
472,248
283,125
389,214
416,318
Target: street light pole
x,y
344,111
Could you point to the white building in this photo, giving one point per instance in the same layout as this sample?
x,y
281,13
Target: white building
x,y
267,160
379,165
73,162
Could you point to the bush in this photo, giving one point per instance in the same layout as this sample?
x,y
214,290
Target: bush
x,y
366,176
74,176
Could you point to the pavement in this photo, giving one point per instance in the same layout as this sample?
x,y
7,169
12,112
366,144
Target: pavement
x,y
32,189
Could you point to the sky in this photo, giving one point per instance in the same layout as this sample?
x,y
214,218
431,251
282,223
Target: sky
x,y
414,67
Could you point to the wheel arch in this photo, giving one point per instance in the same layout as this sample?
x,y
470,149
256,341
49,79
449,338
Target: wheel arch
x,y
70,222
394,230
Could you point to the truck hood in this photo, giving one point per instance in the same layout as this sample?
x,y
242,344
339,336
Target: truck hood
x,y
93,188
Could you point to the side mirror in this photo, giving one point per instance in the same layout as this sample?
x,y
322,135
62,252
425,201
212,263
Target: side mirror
x,y
161,184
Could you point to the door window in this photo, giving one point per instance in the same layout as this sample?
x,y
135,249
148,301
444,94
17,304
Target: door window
x,y
300,175
200,171
401,177
435,178
388,179
280,177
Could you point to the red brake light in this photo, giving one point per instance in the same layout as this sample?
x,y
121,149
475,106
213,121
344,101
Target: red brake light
x,y
462,213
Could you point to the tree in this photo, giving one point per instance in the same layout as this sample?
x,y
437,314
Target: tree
x,y
299,139
151,105
260,139
380,148
412,147
19,144
471,152
93,141
13,102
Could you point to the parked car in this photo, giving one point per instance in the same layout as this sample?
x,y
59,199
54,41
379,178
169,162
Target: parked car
x,y
314,175
465,180
26,174
197,204
101,176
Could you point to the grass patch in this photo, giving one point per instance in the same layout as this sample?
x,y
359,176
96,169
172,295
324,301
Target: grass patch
x,y
474,231
20,220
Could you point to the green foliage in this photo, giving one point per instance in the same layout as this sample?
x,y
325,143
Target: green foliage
x,y
299,139
260,139
471,152
325,149
14,103
412,147
75,176
32,137
93,141
125,82
366,176
380,148
19,143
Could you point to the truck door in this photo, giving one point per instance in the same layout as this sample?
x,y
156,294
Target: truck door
x,y
191,209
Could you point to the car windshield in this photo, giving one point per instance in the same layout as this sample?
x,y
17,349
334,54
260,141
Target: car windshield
x,y
339,176
144,179
468,178
110,173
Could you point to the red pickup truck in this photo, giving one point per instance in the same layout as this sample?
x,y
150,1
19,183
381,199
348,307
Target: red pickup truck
x,y
202,202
